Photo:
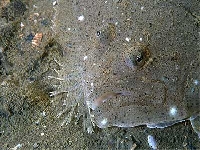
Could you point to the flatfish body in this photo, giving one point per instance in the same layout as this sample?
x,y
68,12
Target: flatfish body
x,y
141,62
138,60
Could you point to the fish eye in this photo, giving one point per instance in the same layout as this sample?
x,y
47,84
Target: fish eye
x,y
139,58
107,33
98,33
136,57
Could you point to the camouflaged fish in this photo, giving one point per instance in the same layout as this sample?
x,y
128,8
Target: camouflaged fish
x,y
138,62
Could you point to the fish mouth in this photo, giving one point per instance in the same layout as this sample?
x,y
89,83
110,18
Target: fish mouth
x,y
134,92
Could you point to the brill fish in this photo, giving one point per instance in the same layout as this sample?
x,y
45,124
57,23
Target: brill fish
x,y
140,62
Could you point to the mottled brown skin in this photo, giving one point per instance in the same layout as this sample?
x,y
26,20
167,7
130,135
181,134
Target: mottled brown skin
x,y
159,75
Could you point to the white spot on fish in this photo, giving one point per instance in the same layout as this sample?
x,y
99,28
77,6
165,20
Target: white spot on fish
x,y
42,134
81,18
152,142
128,39
85,57
16,147
43,113
54,3
104,122
196,82
64,103
173,111
21,25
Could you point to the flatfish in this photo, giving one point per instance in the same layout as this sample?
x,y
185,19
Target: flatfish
x,y
139,62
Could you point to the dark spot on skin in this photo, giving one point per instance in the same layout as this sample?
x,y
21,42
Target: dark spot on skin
x,y
99,13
